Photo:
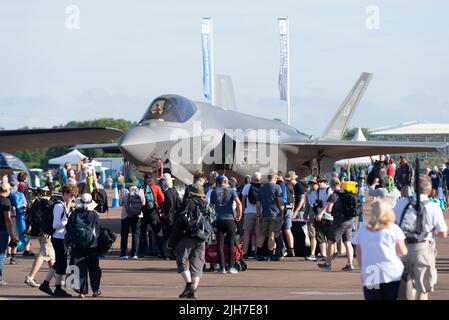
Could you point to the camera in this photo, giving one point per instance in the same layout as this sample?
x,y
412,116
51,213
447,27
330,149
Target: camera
x,y
317,205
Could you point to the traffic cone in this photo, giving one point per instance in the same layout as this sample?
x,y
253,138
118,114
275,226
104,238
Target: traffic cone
x,y
115,198
360,218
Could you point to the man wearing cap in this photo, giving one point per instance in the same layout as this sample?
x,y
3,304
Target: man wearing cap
x,y
170,207
322,226
270,208
251,225
211,183
5,225
295,203
309,214
223,198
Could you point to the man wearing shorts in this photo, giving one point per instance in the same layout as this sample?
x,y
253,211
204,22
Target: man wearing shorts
x,y
341,228
46,254
251,228
421,258
270,208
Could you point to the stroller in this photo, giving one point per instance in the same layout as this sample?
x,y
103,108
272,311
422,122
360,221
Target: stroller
x,y
213,259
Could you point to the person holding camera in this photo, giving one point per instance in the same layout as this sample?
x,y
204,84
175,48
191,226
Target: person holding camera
x,y
317,197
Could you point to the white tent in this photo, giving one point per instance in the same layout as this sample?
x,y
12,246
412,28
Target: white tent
x,y
73,157
361,161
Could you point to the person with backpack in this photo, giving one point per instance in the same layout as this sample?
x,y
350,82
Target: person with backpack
x,y
154,199
170,207
131,202
223,198
318,229
380,246
5,225
420,228
251,226
189,247
81,234
343,207
54,224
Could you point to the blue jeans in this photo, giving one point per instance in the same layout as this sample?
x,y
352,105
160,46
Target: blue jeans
x,y
4,236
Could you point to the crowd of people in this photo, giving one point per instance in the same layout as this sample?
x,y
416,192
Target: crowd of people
x,y
260,213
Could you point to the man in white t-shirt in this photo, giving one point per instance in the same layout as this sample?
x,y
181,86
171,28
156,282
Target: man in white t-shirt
x,y
250,223
420,261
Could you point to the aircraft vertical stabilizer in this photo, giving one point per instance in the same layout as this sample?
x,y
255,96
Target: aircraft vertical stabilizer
x,y
224,92
337,126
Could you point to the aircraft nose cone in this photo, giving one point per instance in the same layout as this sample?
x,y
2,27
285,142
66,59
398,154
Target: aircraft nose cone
x,y
137,144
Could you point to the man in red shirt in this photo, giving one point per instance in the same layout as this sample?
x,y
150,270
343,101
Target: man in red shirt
x,y
390,169
154,199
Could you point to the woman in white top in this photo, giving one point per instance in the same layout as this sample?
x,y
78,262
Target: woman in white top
x,y
380,244
61,213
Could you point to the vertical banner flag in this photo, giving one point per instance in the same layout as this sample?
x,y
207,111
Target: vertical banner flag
x,y
207,63
283,70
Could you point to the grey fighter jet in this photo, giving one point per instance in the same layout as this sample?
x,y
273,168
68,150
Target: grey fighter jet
x,y
186,136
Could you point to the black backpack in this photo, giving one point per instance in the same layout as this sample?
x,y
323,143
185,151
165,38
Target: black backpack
x,y
47,218
348,204
101,198
252,193
35,215
133,205
201,220
106,239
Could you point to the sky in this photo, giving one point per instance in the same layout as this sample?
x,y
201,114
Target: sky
x,y
126,53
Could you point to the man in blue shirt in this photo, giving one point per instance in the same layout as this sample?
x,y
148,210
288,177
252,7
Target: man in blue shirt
x,y
446,179
270,208
223,198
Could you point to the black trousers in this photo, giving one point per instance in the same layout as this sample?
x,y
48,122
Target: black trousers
x,y
227,227
146,236
385,291
126,224
87,262
60,265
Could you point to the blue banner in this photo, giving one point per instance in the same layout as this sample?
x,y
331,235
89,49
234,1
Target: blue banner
x,y
283,70
206,42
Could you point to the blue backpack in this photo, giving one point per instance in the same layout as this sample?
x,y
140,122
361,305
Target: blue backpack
x,y
80,232
149,197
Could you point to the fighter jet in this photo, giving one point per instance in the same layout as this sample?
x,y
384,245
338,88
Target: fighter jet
x,y
185,136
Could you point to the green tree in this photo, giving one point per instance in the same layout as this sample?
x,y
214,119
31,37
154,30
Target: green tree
x,y
350,133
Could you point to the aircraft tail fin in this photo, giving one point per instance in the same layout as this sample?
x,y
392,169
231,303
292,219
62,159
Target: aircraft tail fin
x,y
224,92
337,126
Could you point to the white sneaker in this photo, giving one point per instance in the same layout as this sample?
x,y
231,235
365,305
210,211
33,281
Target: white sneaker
x,y
135,257
3,283
31,282
124,257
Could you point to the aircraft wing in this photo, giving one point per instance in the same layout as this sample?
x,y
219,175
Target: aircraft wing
x,y
16,140
106,147
338,149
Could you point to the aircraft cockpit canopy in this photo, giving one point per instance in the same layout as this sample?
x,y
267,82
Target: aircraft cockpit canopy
x,y
170,108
